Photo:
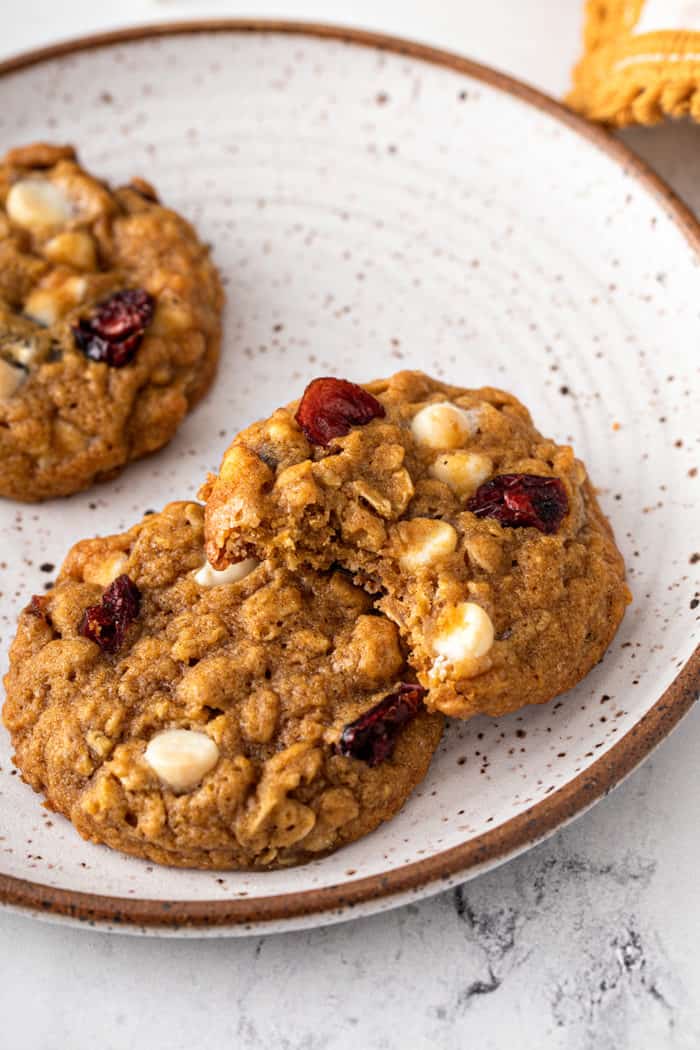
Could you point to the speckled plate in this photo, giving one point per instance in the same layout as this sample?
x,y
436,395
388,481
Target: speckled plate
x,y
377,205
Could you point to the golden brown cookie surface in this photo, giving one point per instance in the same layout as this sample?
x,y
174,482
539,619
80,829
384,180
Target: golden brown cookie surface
x,y
484,539
109,323
204,730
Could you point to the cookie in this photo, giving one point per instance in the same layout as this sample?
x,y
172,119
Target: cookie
x,y
483,540
245,719
109,323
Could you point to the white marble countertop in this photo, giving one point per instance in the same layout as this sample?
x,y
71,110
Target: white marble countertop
x,y
588,941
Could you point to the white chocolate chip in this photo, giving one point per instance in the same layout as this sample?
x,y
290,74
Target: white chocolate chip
x,y
11,379
462,471
422,542
466,636
210,577
443,425
106,570
181,757
37,204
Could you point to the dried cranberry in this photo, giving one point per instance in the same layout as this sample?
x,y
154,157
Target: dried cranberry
x,y
107,623
517,500
114,331
372,737
37,606
330,407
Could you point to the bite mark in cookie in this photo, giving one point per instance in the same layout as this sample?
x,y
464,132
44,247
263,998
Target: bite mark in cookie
x,y
482,539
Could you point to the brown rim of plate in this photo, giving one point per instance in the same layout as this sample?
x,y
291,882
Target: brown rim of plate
x,y
534,823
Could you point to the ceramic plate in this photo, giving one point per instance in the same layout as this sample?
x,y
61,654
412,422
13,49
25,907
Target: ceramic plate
x,y
376,205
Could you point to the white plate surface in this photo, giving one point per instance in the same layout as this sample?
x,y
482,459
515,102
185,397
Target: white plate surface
x,y
372,211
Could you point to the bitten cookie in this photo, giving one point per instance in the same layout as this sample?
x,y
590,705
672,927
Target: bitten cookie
x,y
245,719
482,539
109,323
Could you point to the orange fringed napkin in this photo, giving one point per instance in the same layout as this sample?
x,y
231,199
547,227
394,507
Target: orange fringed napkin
x,y
641,61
